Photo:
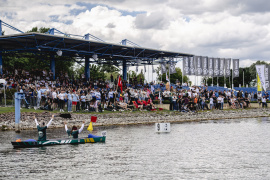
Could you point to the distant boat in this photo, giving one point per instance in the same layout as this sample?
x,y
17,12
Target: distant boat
x,y
34,143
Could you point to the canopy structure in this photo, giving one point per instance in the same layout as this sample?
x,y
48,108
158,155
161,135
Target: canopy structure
x,y
76,46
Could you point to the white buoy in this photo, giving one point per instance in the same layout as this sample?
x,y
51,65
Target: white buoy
x,y
104,133
163,127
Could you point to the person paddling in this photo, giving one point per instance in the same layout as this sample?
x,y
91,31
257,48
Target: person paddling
x,y
74,132
42,129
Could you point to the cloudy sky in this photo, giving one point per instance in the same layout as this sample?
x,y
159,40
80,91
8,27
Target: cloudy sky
x,y
225,29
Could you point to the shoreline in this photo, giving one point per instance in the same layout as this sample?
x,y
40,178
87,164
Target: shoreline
x,y
7,120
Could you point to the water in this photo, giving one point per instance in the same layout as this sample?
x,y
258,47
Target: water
x,y
227,149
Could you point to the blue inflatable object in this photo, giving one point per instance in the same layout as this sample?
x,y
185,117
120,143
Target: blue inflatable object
x,y
30,140
93,136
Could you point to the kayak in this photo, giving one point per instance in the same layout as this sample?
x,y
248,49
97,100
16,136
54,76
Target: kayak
x,y
34,143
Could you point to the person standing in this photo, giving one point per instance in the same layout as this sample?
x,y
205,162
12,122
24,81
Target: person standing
x,y
61,99
264,103
69,102
42,129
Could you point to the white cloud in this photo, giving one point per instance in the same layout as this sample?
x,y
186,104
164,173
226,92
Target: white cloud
x,y
234,29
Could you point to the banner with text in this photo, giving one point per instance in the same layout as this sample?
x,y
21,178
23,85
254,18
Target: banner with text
x,y
205,65
260,69
228,67
221,67
198,65
235,67
172,68
192,66
211,67
216,67
186,66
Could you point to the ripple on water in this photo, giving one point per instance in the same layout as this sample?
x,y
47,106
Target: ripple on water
x,y
226,149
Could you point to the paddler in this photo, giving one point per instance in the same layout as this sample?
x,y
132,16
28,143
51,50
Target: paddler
x,y
42,129
74,132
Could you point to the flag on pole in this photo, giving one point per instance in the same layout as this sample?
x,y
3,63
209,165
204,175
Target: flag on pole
x,y
167,78
152,88
260,75
259,84
120,83
90,127
93,118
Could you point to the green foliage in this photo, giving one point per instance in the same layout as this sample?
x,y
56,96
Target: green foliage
x,y
173,77
40,30
132,74
249,77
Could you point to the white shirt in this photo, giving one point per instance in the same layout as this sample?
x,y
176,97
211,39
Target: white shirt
x,y
61,96
54,95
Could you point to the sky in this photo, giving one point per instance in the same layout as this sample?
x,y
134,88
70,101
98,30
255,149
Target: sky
x,y
224,29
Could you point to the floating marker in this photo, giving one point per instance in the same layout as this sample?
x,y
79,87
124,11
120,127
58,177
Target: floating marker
x,y
104,133
163,127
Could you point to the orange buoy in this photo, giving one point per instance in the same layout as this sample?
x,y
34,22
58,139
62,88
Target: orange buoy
x,y
18,140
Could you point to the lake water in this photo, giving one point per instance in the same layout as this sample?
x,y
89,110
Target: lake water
x,y
225,149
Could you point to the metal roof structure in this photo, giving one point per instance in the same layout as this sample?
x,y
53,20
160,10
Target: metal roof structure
x,y
102,52
81,47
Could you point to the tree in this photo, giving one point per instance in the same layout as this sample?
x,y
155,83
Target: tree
x,y
40,30
173,77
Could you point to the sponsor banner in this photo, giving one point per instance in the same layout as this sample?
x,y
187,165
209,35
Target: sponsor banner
x,y
205,65
267,77
172,68
216,67
211,67
259,84
198,65
235,67
163,68
192,66
228,67
260,69
186,66
221,67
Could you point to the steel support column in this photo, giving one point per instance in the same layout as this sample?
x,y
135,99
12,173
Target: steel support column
x,y
86,68
0,28
1,60
124,69
53,66
1,63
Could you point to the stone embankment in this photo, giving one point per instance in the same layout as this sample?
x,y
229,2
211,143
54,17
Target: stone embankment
x,y
7,120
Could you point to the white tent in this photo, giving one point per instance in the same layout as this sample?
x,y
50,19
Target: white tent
x,y
3,81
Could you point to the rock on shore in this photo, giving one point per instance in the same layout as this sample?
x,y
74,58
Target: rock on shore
x,y
7,120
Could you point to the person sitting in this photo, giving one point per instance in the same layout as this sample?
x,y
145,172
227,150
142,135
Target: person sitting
x,y
74,132
42,129
124,106
130,105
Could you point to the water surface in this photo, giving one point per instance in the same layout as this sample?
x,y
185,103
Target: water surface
x,y
225,149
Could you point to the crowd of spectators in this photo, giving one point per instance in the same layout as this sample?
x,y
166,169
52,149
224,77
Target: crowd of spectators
x,y
72,95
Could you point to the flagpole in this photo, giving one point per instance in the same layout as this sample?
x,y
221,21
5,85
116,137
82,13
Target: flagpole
x,y
148,73
182,70
170,75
